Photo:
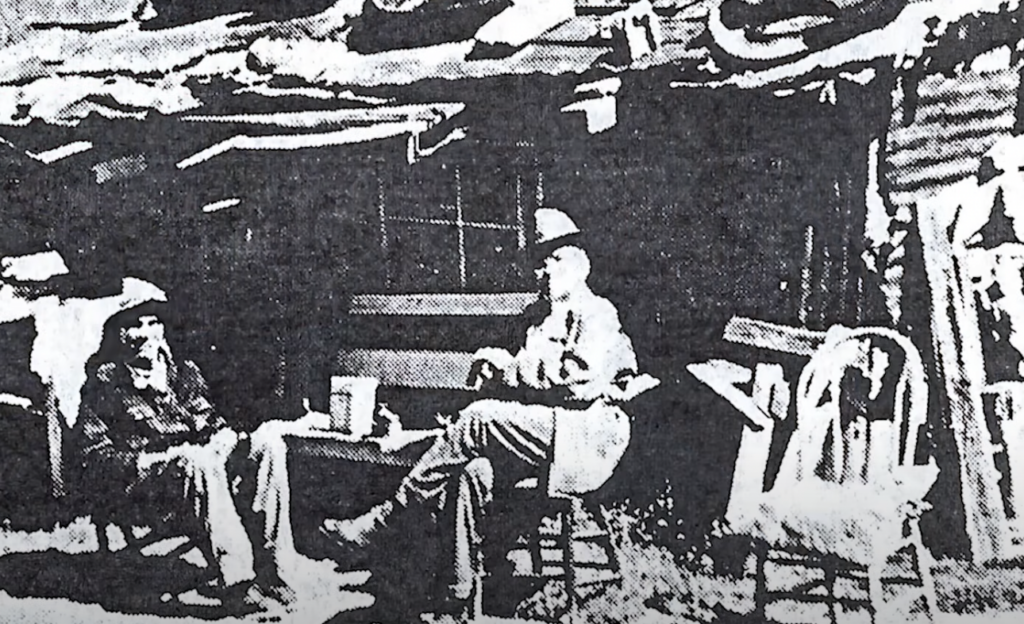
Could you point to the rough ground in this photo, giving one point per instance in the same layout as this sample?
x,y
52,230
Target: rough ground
x,y
37,569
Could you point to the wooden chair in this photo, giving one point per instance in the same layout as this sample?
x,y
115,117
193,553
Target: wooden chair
x,y
849,495
141,526
550,550
561,544
564,544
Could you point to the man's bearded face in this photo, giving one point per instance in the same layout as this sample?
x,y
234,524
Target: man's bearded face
x,y
563,271
145,341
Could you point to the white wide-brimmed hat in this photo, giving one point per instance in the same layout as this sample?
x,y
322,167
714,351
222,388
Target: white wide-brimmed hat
x,y
552,224
36,267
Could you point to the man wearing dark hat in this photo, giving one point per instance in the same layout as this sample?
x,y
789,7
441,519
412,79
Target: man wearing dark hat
x,y
149,432
559,406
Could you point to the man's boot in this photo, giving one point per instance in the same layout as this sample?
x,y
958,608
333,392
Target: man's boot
x,y
359,532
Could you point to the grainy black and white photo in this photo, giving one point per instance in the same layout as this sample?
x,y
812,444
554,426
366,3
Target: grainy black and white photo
x,y
511,311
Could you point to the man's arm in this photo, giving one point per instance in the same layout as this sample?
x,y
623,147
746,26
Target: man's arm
x,y
195,399
100,445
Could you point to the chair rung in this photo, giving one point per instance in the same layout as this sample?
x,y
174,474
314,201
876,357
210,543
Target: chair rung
x,y
790,595
803,588
817,562
899,580
558,572
598,581
583,565
577,535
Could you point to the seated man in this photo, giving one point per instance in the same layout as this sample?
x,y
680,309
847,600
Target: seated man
x,y
148,431
562,393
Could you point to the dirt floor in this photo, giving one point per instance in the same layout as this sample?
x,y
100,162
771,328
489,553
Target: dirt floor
x,y
58,576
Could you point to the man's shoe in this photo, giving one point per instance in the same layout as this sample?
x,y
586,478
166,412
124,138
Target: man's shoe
x,y
358,532
264,593
239,599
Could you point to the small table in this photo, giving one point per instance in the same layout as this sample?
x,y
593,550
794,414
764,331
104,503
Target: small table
x,y
383,460
401,448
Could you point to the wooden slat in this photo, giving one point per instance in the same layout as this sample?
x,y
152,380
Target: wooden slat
x,y
941,130
442,304
431,113
973,147
951,113
940,173
938,86
446,370
765,335
346,136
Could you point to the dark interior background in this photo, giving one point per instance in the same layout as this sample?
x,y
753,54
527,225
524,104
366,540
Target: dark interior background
x,y
695,208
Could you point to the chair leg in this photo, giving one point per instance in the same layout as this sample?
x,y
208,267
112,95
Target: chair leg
x,y
924,569
760,582
613,559
476,603
829,569
568,562
101,536
875,593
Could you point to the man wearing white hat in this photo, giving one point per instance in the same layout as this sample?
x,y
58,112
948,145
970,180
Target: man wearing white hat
x,y
563,391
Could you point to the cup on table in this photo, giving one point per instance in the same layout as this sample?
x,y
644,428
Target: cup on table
x,y
353,400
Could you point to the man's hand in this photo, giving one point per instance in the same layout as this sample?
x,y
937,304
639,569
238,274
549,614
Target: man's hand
x,y
148,459
628,388
496,357
224,441
314,419
490,363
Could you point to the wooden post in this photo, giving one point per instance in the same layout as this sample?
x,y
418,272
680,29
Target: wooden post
x,y
54,442
957,342
771,394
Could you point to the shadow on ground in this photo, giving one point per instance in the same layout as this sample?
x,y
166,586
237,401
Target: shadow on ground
x,y
126,582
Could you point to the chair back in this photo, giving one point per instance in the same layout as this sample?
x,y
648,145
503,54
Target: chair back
x,y
861,401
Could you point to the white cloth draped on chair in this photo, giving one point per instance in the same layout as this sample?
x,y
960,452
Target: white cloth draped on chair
x,y
848,488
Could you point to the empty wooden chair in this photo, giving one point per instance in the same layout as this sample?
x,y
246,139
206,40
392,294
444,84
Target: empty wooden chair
x,y
849,493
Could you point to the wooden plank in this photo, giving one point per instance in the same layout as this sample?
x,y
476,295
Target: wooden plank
x,y
1009,398
939,172
960,362
431,113
771,395
933,131
444,370
442,304
404,452
937,86
971,148
725,378
966,106
348,136
765,335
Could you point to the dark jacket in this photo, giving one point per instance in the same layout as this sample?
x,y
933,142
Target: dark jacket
x,y
117,422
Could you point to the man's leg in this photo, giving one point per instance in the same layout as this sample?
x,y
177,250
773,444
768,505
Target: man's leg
x,y
272,497
511,435
281,570
474,492
271,500
209,491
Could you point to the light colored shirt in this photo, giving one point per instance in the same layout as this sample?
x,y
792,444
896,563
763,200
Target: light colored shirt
x,y
580,346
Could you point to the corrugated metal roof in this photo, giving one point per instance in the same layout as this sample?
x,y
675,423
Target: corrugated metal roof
x,y
957,119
